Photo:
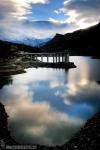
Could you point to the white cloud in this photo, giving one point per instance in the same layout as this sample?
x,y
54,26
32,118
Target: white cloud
x,y
59,11
15,13
14,21
80,13
59,22
83,13
55,21
56,11
66,2
17,8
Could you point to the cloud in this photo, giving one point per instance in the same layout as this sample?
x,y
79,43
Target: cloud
x,y
38,29
15,21
59,11
10,10
58,22
82,12
13,14
17,9
17,18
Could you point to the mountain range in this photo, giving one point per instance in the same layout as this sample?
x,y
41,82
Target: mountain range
x,y
31,41
80,42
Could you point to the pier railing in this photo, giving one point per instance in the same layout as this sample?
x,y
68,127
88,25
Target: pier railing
x,y
58,57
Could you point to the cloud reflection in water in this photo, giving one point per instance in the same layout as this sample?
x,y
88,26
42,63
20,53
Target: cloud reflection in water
x,y
47,106
37,122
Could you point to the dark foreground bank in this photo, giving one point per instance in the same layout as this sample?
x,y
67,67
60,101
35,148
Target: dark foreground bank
x,y
4,133
88,138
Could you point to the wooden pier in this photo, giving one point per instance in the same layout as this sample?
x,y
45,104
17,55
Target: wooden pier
x,y
53,60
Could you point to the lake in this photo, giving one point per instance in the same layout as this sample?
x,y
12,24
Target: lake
x,y
48,106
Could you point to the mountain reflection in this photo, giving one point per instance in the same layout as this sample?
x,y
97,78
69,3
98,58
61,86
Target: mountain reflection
x,y
47,106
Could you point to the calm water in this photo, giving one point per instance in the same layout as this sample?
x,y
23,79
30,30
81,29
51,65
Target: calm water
x,y
47,106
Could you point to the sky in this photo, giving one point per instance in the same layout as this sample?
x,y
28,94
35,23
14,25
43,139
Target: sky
x,y
45,18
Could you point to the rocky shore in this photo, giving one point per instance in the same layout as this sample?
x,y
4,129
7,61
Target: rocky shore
x,y
14,65
86,139
4,133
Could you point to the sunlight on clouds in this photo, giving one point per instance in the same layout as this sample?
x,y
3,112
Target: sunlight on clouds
x,y
82,13
83,24
24,6
72,16
58,22
66,2
19,16
26,2
54,21
18,8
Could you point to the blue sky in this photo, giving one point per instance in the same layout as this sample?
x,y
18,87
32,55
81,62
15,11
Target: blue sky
x,y
44,12
45,18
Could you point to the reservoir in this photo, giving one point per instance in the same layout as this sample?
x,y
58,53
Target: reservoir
x,y
48,106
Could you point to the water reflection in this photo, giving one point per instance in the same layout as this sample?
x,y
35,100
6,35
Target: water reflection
x,y
5,81
47,106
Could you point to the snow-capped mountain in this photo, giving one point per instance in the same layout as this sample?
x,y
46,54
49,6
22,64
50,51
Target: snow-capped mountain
x,y
31,41
34,41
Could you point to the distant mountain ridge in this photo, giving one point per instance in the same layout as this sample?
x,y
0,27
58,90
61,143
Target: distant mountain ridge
x,y
33,41
30,41
80,42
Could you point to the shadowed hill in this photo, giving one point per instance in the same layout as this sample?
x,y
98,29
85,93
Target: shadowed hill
x,y
80,42
9,48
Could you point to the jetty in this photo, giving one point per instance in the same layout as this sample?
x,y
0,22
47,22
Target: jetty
x,y
49,60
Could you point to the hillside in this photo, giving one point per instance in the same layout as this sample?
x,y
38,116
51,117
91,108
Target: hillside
x,y
9,48
80,42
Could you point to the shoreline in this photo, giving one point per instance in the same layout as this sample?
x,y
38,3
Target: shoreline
x,y
87,138
17,66
4,132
